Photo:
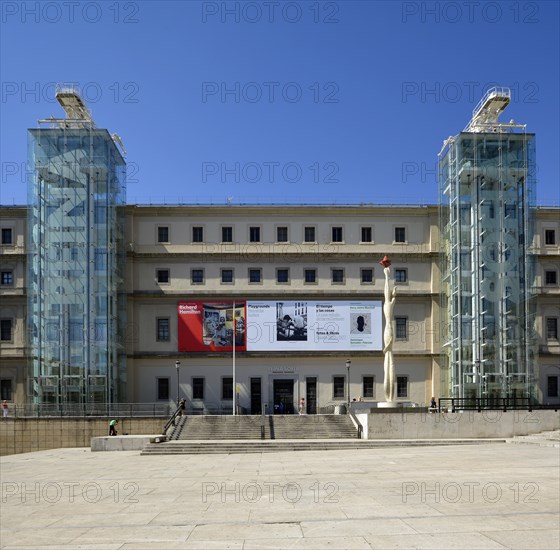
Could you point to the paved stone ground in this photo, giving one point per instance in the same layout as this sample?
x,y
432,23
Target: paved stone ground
x,y
480,496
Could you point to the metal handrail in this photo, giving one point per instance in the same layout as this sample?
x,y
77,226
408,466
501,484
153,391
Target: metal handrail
x,y
490,403
171,421
357,423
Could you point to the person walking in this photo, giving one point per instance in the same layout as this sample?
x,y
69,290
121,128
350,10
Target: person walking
x,y
182,404
4,409
113,427
302,406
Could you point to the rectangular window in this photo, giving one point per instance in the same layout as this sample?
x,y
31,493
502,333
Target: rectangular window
x,y
549,236
550,278
337,276
162,276
163,389
309,234
401,332
227,276
255,275
367,235
7,278
7,235
337,234
552,328
197,234
366,276
282,234
402,386
368,385
310,276
5,330
198,388
283,276
401,275
400,235
227,388
338,387
197,276
227,234
162,329
163,234
254,234
552,386
6,389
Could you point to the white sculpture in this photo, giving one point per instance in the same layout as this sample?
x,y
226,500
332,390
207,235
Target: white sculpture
x,y
388,305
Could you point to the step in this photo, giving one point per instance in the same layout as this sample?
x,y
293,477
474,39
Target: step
x,y
234,447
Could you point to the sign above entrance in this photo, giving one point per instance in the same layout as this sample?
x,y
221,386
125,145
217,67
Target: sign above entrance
x,y
280,326
314,326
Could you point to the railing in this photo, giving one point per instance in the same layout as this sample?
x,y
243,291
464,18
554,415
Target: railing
x,y
171,421
452,404
356,422
116,410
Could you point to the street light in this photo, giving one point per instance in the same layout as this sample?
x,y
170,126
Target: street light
x,y
177,366
348,363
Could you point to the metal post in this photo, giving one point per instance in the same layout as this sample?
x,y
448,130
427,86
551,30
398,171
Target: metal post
x,y
177,366
348,363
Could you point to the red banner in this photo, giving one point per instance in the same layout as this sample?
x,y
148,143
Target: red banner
x,y
210,326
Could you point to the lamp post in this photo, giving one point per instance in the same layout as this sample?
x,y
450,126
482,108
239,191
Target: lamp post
x,y
348,363
177,366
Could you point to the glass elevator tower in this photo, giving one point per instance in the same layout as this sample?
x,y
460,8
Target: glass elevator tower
x,y
487,186
76,300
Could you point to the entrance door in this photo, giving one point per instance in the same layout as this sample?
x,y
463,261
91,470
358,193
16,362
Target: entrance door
x,y
256,396
311,395
284,396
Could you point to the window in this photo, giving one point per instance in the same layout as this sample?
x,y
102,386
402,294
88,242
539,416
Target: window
x,y
309,234
227,276
7,278
367,386
401,275
367,235
400,235
310,276
552,386
337,234
163,234
338,387
163,389
6,389
227,388
337,276
254,234
402,386
227,234
5,330
282,275
550,278
198,388
197,276
255,275
366,276
197,234
282,234
162,276
552,328
7,235
549,236
401,332
162,329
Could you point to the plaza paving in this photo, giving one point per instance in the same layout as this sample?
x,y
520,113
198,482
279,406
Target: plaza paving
x,y
476,496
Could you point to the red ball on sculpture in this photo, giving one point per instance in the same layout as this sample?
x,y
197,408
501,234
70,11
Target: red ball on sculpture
x,y
385,262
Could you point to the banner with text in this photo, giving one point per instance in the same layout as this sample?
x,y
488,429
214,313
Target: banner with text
x,y
314,326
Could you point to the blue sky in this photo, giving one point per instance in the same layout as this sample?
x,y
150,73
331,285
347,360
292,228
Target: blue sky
x,y
298,101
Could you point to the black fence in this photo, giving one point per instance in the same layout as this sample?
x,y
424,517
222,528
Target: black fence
x,y
116,410
452,404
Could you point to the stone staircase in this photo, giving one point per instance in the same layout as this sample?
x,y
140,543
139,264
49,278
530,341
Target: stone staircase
x,y
286,445
217,428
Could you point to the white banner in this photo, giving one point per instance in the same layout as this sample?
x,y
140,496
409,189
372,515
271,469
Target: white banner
x,y
314,326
